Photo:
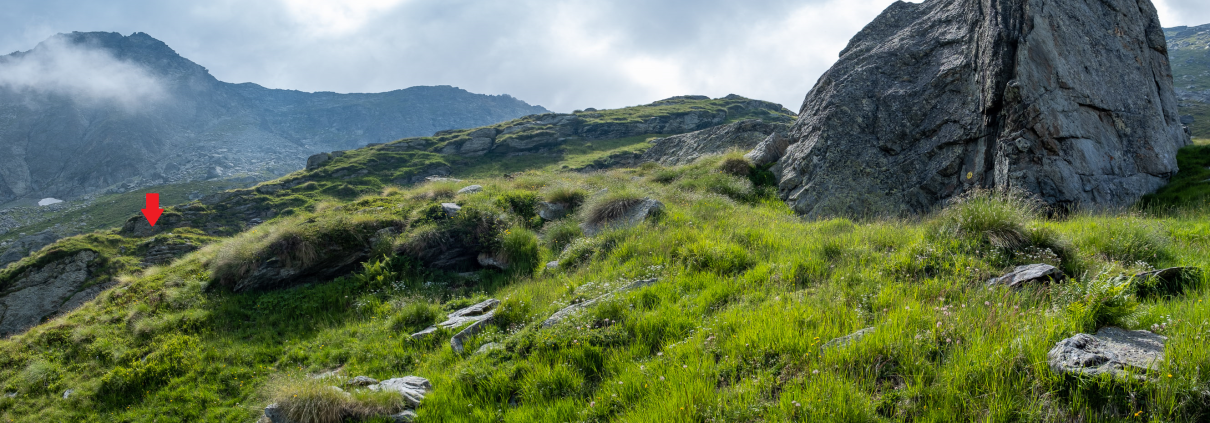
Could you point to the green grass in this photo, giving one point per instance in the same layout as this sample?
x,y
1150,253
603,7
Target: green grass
x,y
733,330
1190,188
112,210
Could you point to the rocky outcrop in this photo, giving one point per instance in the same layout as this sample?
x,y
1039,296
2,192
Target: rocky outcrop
x,y
475,317
1029,274
38,293
27,245
1071,100
685,148
1113,351
161,252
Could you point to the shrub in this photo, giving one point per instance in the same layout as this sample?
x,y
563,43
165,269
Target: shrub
x,y
573,198
546,382
736,166
558,235
1099,302
520,250
414,316
524,204
1125,240
307,400
995,218
610,207
513,312
723,258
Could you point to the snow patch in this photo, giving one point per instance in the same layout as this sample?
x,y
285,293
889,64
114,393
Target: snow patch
x,y
49,201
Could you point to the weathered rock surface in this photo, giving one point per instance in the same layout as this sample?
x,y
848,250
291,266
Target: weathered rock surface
x,y
318,160
637,214
470,315
685,148
330,262
1111,351
412,388
1071,100
451,209
471,189
574,309
38,293
27,245
164,253
1029,274
770,150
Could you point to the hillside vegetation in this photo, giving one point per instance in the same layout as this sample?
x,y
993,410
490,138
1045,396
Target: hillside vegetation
x,y
735,327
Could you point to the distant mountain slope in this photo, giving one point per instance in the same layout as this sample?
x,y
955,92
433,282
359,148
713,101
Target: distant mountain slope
x,y
86,113
1189,52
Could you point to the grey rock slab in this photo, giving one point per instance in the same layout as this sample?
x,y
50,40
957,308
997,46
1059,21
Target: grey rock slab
x,y
471,189
458,341
1072,101
637,214
574,309
68,393
412,388
476,147
848,339
1029,274
552,264
1113,351
39,293
686,148
468,315
1168,275
770,150
451,209
552,211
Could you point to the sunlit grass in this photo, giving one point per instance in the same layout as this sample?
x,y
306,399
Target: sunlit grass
x,y
748,294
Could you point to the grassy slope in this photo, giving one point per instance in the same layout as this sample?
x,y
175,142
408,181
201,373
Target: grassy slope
x,y
747,295
1191,186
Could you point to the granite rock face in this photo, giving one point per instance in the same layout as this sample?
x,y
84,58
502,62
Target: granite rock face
x,y
685,148
1071,100
38,293
27,245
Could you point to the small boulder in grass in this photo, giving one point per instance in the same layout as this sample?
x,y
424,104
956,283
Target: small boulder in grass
x,y
1112,351
1029,274
471,189
451,209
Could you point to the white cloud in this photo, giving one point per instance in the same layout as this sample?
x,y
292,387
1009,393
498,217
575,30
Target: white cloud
x,y
86,75
334,17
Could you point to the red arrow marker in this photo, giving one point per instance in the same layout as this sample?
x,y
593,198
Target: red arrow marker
x,y
153,210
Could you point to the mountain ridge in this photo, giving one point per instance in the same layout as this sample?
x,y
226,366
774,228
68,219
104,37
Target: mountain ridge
x,y
62,145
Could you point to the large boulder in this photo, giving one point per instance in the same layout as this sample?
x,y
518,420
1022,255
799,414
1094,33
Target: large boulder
x,y
685,148
1071,100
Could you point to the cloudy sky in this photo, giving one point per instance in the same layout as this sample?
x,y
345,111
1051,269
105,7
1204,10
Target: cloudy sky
x,y
562,54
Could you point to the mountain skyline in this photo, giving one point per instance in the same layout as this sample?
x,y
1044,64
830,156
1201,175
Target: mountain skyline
x,y
86,113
